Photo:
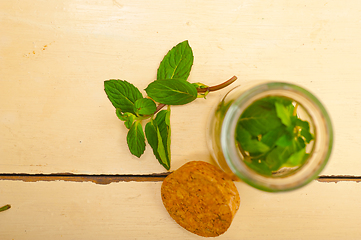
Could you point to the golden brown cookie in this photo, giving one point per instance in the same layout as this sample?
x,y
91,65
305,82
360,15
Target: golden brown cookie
x,y
201,198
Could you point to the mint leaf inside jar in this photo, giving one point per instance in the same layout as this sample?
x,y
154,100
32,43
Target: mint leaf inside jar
x,y
272,136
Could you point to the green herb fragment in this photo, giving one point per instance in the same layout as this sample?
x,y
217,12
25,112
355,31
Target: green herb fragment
x,y
177,63
6,207
271,136
172,92
135,139
122,94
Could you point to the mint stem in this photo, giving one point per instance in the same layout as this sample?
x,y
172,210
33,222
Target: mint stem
x,y
159,107
295,110
217,87
6,207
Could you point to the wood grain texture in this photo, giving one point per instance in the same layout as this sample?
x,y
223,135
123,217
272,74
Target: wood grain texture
x,y
133,210
55,55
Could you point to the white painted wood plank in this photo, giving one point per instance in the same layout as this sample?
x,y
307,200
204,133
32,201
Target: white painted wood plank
x,y
55,55
134,210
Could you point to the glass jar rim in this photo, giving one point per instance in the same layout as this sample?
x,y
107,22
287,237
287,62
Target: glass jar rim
x,y
323,142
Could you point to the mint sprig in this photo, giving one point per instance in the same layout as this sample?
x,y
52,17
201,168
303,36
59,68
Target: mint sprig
x,y
270,135
170,88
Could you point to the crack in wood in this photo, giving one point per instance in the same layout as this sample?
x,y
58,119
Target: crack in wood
x,y
114,178
339,178
95,178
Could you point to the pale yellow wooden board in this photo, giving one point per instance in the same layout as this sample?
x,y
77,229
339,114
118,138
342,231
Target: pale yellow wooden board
x,y
55,55
133,210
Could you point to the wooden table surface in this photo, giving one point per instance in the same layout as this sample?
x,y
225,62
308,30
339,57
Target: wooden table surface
x,y
64,164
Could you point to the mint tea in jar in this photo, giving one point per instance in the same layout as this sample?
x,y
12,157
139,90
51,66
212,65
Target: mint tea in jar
x,y
275,136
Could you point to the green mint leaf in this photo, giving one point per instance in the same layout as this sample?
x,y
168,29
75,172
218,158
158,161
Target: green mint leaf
x,y
272,136
279,155
282,100
273,159
290,109
122,94
305,130
175,92
167,125
305,157
296,159
127,117
293,118
259,166
119,114
135,139
177,63
303,124
307,135
162,151
300,143
163,122
167,117
283,113
155,141
247,143
285,140
260,118
144,106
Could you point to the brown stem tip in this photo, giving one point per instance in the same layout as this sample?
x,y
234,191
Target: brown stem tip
x,y
218,87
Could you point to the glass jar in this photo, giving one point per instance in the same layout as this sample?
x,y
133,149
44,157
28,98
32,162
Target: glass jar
x,y
225,149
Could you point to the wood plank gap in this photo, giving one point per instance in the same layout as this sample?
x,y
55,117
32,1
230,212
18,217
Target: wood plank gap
x,y
95,178
113,178
337,178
